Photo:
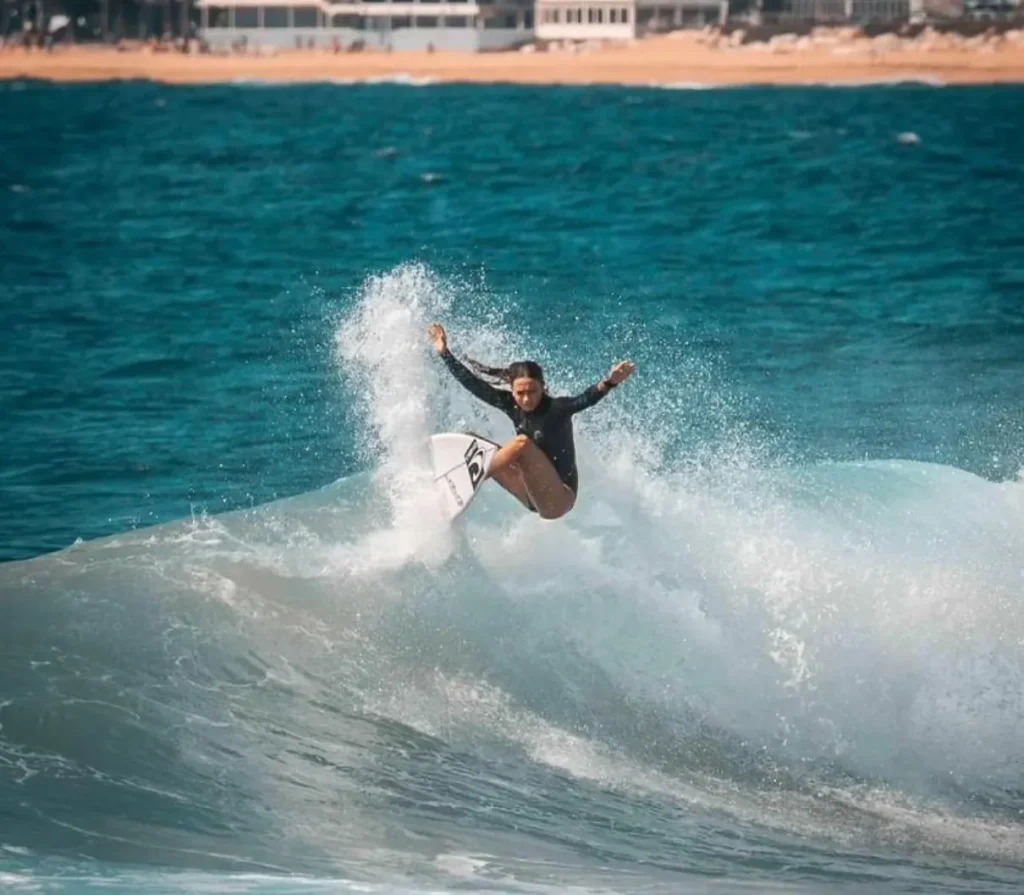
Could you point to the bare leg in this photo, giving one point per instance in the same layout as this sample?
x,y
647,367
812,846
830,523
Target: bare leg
x,y
521,463
511,479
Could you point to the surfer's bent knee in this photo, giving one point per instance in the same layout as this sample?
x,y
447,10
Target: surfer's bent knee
x,y
549,514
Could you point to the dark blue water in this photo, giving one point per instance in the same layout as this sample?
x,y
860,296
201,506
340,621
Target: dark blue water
x,y
778,642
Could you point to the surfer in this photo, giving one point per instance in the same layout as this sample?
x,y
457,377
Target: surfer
x,y
538,465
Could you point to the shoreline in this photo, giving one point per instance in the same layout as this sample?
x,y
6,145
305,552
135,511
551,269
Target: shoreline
x,y
682,59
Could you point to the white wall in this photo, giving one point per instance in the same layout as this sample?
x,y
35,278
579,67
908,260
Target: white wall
x,y
282,38
500,38
442,39
399,39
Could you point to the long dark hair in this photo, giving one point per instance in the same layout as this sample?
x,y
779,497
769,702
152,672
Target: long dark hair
x,y
520,369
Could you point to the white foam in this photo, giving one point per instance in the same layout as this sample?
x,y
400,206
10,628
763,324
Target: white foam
x,y
685,85
403,79
460,866
406,79
924,80
844,611
20,882
383,349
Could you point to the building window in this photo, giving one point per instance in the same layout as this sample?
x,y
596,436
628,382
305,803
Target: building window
x,y
275,17
307,17
426,21
246,17
456,22
495,23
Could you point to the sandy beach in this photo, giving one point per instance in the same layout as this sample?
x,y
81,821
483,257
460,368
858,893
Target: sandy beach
x,y
683,58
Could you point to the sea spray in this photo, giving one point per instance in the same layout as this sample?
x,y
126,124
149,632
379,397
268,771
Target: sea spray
x,y
384,352
835,614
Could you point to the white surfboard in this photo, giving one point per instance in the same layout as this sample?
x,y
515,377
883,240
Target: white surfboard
x,y
461,460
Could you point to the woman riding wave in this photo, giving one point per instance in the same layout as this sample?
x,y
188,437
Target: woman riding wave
x,y
538,465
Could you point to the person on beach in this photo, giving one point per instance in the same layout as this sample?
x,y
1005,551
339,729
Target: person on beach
x,y
538,465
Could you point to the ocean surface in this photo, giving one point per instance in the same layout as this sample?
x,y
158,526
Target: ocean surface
x,y
777,647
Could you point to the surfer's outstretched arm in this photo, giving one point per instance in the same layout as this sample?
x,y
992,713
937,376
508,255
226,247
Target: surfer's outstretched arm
x,y
486,392
619,373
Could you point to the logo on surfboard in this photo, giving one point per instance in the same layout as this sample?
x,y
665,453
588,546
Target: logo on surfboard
x,y
474,463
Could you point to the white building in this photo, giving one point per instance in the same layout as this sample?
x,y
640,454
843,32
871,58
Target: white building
x,y
623,19
374,24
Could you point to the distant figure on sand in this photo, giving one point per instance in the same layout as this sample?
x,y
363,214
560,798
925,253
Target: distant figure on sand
x,y
538,465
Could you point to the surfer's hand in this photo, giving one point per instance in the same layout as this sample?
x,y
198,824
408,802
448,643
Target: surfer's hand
x,y
439,337
621,372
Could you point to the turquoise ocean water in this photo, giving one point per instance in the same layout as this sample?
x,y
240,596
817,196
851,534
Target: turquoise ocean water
x,y
778,645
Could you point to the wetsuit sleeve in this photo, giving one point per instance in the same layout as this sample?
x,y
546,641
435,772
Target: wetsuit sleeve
x,y
584,400
486,392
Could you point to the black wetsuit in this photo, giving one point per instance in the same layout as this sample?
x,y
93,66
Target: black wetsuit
x,y
549,426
